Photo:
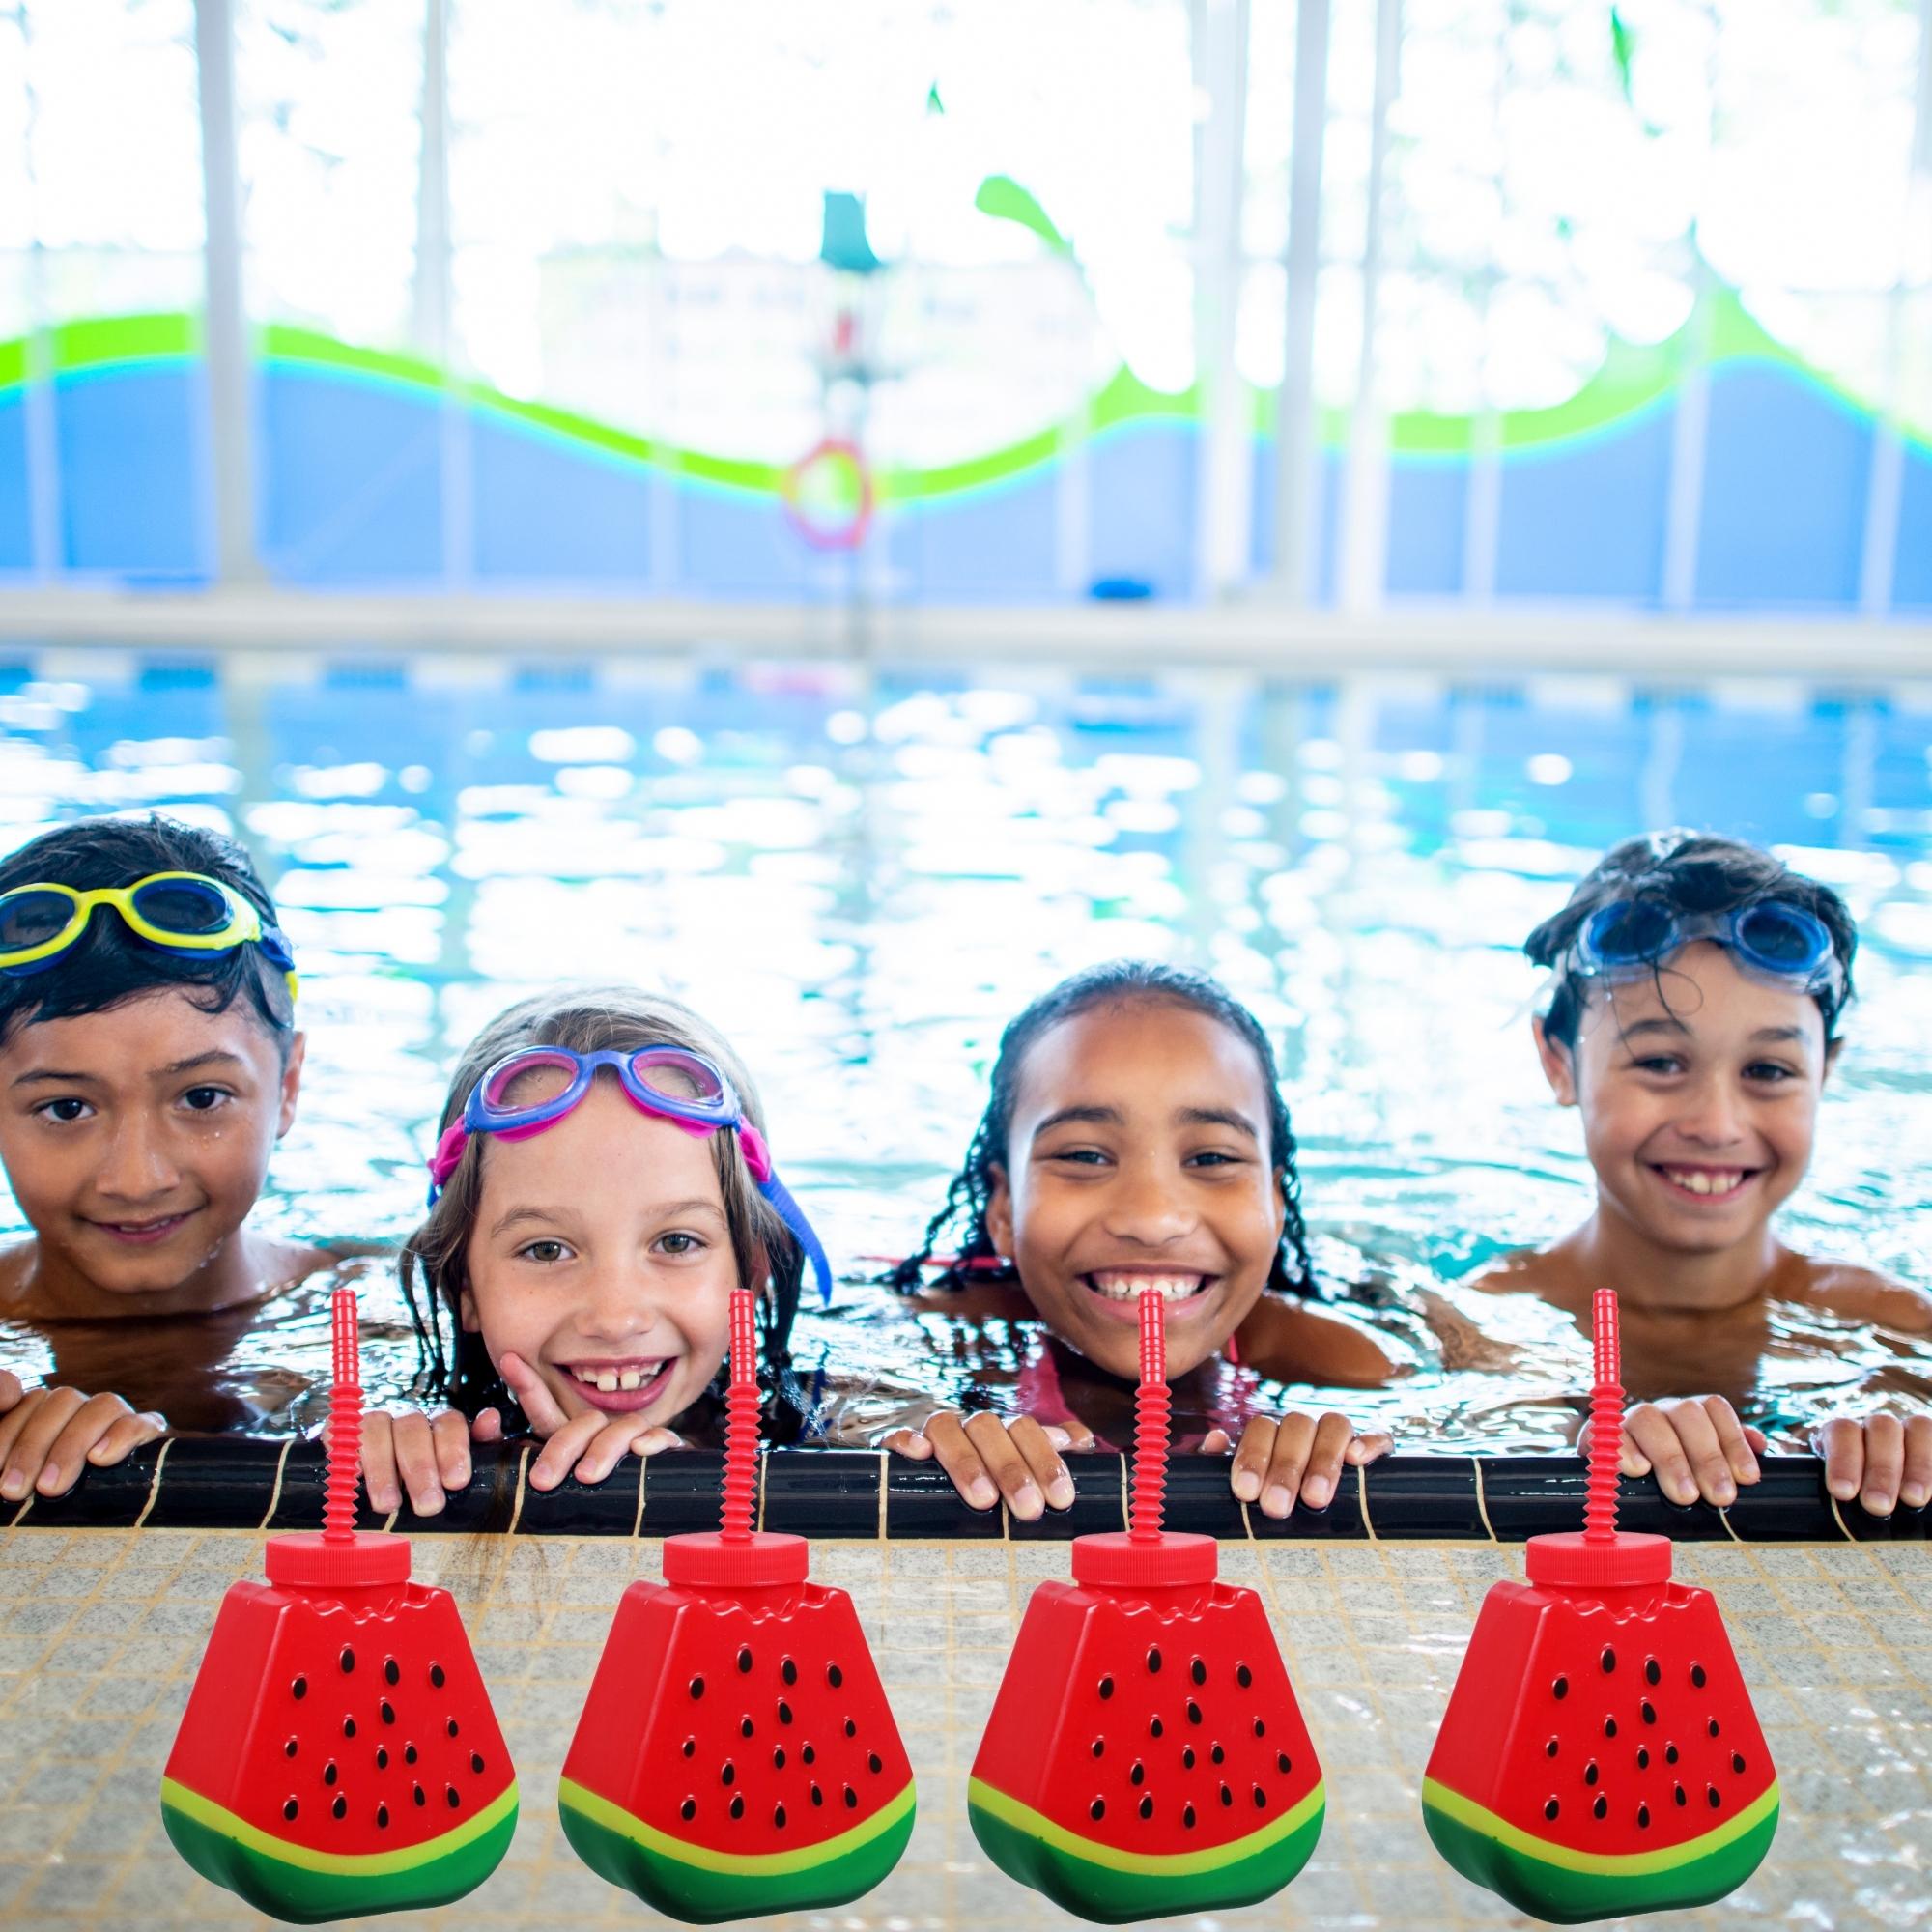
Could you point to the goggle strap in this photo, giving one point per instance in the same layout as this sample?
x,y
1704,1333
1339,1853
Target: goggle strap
x,y
793,1216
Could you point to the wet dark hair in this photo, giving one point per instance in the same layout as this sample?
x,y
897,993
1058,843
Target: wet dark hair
x,y
108,963
1685,872
455,1365
1120,984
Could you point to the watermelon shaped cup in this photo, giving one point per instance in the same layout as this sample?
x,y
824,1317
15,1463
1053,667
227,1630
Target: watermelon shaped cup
x,y
338,1755
1600,1754
1145,1754
737,1756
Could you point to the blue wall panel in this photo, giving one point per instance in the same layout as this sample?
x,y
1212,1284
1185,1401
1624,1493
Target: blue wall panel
x,y
982,544
1141,510
131,486
546,511
1427,519
1587,518
734,544
1912,569
16,535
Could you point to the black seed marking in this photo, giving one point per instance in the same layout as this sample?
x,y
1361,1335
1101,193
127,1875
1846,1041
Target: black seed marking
x,y
873,1762
1097,1809
476,1763
817,1796
1261,1798
1218,1755
1198,1670
1710,1792
728,1772
851,1798
1712,1728
688,1810
349,1728
1608,1660
698,1687
328,1772
1137,1775
1653,1671
1677,1790
690,1746
1670,1754
1738,1761
745,1727
785,1712
1244,1676
851,1729
382,1758
809,1755
1648,1711
1609,1727
777,1757
1643,1817
744,1658
1550,1809
1642,1758
450,1794
1099,1745
408,1753
340,1808
451,1727
1551,1749
1106,1689
299,1690
1697,1675
1601,1808
436,1675
381,1817
1590,1772
1560,1689
347,1660
387,1710
1146,1806
1283,1763
1188,1816
420,1795
1155,1727
1261,1729
392,1671
1187,1758
290,1809
788,1670
779,1816
1154,1661
1227,1796
289,1748
1193,1712
738,1806
834,1676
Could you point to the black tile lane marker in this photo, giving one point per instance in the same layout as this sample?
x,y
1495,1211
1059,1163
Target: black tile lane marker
x,y
252,1482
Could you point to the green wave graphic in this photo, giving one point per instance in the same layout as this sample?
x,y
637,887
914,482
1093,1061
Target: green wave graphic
x,y
1631,382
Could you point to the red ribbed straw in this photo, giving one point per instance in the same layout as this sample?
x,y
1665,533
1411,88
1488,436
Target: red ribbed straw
x,y
345,1422
1606,1422
740,1422
1151,1407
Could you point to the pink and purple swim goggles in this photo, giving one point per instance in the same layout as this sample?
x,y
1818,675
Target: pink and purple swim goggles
x,y
533,1087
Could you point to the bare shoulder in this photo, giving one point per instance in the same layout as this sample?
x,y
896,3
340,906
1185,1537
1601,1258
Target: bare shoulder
x,y
1864,1294
1293,1342
1542,1272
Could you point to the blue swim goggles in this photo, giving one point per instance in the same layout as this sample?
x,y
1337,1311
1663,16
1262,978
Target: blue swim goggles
x,y
1770,939
533,1087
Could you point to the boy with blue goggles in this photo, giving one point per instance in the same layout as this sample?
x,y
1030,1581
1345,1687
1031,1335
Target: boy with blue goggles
x,y
1771,939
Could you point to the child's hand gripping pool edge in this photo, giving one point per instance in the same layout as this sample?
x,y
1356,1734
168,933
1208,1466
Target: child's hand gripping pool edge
x,y
49,1436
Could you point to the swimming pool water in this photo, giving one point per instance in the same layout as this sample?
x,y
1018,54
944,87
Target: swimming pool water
x,y
859,875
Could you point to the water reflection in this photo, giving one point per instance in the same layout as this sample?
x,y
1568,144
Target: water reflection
x,y
862,877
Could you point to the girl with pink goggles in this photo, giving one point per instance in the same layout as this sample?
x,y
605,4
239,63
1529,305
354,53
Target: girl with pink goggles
x,y
533,1087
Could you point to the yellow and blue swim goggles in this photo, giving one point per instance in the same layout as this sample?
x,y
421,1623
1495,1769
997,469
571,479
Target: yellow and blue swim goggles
x,y
179,912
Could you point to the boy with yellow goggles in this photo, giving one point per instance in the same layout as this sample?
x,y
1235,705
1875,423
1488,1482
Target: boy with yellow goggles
x,y
181,912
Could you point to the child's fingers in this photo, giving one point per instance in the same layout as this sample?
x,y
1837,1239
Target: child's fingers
x,y
378,1461
1733,1438
559,1453
541,1409
609,1447
1884,1465
959,1457
1759,1442
1632,1461
655,1439
1006,1464
12,1424
1365,1448
1288,1463
1216,1442
1655,1436
66,1454
487,1426
1043,1458
1251,1458
1843,1444
1915,1487
1704,1450
1078,1434
125,1435
41,1423
416,1464
12,1390
449,1430
908,1442
1333,1434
